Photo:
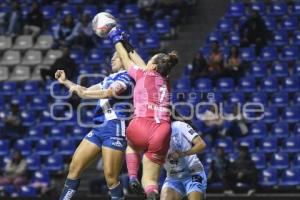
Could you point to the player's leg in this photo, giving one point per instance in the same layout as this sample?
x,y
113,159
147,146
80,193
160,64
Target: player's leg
x,y
196,186
168,193
196,196
84,155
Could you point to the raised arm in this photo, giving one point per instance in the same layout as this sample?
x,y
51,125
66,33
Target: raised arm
x,y
127,62
136,58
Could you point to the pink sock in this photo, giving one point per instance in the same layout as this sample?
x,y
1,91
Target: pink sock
x,y
133,163
151,188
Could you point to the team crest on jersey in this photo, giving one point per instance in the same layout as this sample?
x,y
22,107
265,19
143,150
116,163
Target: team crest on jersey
x,y
117,144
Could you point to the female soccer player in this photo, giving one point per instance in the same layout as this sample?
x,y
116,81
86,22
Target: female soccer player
x,y
108,136
185,172
150,129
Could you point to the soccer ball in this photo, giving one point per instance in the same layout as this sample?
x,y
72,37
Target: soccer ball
x,y
102,23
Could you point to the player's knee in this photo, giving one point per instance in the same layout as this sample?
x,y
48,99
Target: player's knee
x,y
111,180
75,169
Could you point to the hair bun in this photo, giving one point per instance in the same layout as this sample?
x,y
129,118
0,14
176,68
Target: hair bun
x,y
173,57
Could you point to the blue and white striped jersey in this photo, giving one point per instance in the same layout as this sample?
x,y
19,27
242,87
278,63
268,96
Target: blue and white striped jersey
x,y
119,107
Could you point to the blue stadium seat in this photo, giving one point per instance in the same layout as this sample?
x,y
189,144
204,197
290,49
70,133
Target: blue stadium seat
x,y
268,54
2,104
259,159
270,22
236,97
280,130
214,36
225,143
290,178
290,53
130,11
54,163
248,142
30,88
259,97
291,145
19,99
258,69
289,23
278,8
33,162
182,84
280,38
225,85
151,41
247,84
8,88
141,27
162,27
280,69
269,84
4,147
291,84
248,54
36,133
233,156
49,12
280,99
28,118
259,6
44,147
270,115
296,38
291,114
66,147
77,55
90,9
234,38
69,10
296,99
268,145
57,133
27,191
46,119
42,177
225,25
258,130
296,161
112,9
236,9
203,85
95,56
268,177
24,146
295,9
280,161
39,102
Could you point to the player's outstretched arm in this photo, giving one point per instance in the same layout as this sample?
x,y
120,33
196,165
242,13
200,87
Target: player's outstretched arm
x,y
136,58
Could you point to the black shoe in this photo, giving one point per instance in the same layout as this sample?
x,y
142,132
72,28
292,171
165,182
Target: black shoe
x,y
135,187
153,196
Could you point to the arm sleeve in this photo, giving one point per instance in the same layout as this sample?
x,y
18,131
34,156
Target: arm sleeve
x,y
121,83
187,131
135,72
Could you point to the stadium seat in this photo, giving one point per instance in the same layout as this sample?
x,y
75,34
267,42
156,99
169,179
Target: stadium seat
x,y
296,161
269,84
289,23
214,37
42,177
291,145
27,191
39,102
162,27
280,130
290,53
270,22
259,97
268,145
66,147
28,118
57,133
280,99
23,42
78,132
4,73
30,88
151,41
49,12
4,147
236,9
130,11
295,10
236,97
10,58
77,55
182,84
258,69
247,54
225,25
203,85
247,84
2,105
44,147
32,57
268,54
24,146
225,143
278,8
291,84
95,56
291,114
270,115
225,85
36,133
258,130
296,38
5,42
18,99
259,159
91,10
141,27
36,73
54,163
296,99
20,73
112,9
280,69
268,177
290,178
8,88
68,10
248,142
234,39
280,38
51,56
43,42
279,161
33,162
258,6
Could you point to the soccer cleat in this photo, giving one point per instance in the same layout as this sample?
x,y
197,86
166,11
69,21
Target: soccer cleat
x,y
153,196
136,187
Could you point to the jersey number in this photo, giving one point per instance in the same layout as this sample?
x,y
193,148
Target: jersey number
x,y
163,91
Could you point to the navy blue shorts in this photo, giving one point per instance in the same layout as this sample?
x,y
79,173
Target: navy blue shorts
x,y
110,134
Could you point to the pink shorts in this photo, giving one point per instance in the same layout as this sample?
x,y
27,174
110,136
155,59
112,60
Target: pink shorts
x,y
145,134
